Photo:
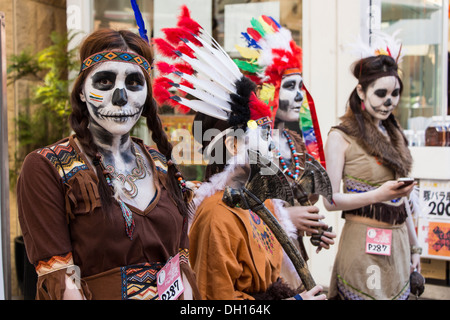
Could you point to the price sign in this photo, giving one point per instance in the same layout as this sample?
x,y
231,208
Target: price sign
x,y
378,241
433,230
435,199
169,282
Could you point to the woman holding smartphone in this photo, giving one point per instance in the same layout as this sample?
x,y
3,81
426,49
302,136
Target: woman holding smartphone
x,y
368,152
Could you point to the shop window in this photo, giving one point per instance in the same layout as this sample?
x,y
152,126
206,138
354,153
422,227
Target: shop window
x,y
422,26
118,14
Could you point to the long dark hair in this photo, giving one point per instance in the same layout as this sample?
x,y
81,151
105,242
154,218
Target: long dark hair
x,y
108,39
367,71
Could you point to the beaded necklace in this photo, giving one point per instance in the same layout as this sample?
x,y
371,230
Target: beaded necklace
x,y
138,173
295,157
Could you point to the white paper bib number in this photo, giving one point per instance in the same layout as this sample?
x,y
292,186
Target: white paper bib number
x,y
169,282
378,241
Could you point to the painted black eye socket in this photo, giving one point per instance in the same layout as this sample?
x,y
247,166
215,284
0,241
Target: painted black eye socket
x,y
381,93
135,82
104,80
289,85
396,93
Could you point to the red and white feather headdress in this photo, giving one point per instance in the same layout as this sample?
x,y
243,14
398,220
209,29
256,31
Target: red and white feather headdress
x,y
207,79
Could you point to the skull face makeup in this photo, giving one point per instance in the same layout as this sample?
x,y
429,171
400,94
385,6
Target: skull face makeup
x,y
115,94
290,98
381,97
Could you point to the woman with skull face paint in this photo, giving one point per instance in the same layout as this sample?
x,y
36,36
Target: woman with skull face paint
x,y
101,212
368,151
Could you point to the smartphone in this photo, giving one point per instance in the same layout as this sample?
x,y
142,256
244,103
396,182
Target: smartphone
x,y
407,182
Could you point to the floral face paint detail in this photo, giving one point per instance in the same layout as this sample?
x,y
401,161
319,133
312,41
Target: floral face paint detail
x,y
382,97
115,94
290,98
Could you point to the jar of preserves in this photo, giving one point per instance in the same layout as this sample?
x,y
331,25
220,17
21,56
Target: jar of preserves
x,y
438,132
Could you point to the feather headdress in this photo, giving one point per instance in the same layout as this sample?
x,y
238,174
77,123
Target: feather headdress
x,y
207,79
270,55
380,44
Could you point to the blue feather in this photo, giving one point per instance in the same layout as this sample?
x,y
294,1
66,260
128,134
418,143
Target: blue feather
x,y
251,43
139,20
275,21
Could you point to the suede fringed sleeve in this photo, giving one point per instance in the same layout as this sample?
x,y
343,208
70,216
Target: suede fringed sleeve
x,y
53,276
43,221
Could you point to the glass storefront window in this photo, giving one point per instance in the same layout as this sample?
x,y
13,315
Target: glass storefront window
x,y
118,14
422,26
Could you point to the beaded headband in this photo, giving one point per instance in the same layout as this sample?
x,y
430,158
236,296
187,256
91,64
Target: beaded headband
x,y
117,56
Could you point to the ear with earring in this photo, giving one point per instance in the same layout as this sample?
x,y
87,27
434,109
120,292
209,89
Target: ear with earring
x,y
363,106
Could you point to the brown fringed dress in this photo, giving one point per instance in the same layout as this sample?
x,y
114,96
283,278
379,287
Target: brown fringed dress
x,y
370,161
66,230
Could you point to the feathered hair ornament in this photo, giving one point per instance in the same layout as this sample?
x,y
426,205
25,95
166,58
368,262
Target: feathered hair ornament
x,y
380,44
206,78
139,20
270,55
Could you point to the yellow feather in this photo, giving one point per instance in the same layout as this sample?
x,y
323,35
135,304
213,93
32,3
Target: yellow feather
x,y
267,28
267,92
248,53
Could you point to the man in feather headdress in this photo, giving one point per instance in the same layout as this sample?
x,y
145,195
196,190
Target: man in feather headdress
x,y
274,61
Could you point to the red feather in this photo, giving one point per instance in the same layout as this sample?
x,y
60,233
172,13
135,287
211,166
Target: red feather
x,y
258,109
174,35
183,48
163,82
165,48
160,94
185,68
175,104
270,22
187,84
164,67
185,20
254,34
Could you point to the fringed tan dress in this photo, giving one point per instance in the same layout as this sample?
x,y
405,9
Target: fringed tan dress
x,y
358,275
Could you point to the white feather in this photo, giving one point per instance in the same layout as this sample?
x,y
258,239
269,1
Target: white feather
x,y
209,86
205,69
217,51
205,55
208,98
379,41
203,107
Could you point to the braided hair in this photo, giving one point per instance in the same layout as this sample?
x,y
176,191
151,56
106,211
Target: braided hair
x,y
123,40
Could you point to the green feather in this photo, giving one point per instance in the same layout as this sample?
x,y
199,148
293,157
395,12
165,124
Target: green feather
x,y
247,66
258,27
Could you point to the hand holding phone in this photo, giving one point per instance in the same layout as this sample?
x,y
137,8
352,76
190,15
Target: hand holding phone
x,y
406,181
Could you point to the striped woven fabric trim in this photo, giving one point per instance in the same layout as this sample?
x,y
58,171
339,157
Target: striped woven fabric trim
x,y
117,56
55,263
159,159
355,185
139,281
348,292
65,159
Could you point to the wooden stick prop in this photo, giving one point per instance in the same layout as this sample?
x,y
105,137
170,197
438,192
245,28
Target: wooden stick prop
x,y
260,186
